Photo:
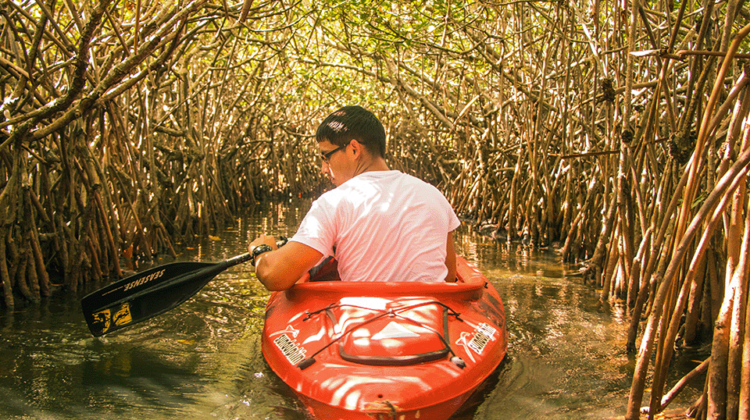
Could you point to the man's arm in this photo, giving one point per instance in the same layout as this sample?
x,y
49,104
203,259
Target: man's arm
x,y
281,268
450,259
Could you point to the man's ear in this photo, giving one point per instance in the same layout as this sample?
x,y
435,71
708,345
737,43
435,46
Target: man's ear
x,y
357,148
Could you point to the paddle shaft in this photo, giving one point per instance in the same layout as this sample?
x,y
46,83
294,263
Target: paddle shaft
x,y
151,292
148,294
207,273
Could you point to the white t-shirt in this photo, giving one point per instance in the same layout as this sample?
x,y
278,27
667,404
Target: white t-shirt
x,y
385,226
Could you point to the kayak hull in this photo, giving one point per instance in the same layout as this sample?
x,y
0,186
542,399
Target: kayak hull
x,y
440,411
379,350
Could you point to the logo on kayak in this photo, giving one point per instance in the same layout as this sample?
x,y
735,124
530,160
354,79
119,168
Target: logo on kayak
x,y
289,347
289,329
483,334
478,340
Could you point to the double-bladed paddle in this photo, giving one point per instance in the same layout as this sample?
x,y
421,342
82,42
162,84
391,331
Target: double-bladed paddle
x,y
149,293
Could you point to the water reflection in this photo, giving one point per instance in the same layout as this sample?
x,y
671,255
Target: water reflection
x,y
202,360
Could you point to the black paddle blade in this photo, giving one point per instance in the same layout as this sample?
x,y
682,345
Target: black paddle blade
x,y
149,293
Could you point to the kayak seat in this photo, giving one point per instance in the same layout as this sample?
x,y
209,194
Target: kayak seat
x,y
325,271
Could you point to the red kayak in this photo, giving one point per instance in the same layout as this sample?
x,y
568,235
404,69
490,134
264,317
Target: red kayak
x,y
376,350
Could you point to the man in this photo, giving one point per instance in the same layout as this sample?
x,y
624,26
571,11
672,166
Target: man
x,y
379,224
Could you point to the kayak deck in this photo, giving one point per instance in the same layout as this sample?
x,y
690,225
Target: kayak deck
x,y
369,350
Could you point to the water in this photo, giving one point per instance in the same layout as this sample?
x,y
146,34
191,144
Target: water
x,y
202,360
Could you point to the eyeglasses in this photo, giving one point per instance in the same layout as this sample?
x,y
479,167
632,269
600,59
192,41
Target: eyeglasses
x,y
327,155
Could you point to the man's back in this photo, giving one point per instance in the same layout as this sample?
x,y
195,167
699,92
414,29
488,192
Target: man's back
x,y
384,225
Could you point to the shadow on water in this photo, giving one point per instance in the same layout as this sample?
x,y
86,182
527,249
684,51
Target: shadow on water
x,y
566,355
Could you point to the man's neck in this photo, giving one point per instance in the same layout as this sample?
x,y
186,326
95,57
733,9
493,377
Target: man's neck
x,y
372,165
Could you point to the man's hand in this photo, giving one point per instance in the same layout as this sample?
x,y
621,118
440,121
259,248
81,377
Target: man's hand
x,y
263,239
281,268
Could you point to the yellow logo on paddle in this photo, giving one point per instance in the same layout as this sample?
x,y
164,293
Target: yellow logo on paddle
x,y
103,320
